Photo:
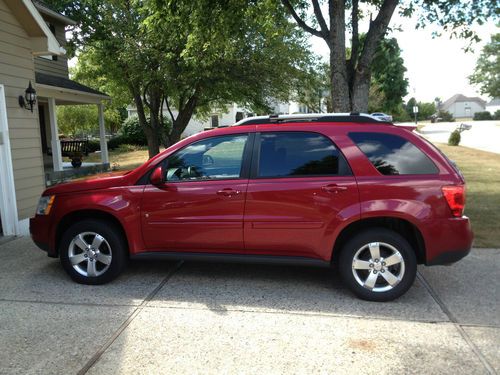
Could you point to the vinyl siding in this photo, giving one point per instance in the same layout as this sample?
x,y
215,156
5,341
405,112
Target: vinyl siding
x,y
16,70
56,68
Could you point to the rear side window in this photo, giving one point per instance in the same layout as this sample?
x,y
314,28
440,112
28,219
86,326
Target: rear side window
x,y
296,154
393,155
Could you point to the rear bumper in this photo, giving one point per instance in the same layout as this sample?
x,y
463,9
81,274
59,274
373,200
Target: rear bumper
x,y
39,230
448,241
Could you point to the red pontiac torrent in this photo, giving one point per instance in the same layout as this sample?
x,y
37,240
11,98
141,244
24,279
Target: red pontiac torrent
x,y
369,197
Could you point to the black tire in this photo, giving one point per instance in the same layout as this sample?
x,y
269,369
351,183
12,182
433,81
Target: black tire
x,y
360,246
113,245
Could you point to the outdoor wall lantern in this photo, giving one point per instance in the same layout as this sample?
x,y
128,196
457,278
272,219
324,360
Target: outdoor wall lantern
x,y
29,99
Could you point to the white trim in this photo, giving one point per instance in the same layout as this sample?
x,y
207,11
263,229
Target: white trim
x,y
69,95
102,135
52,46
54,142
8,203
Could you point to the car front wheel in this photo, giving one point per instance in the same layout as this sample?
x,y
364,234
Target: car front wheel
x,y
92,252
378,265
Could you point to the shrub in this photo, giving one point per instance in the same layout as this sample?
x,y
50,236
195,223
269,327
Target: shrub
x,y
115,142
482,116
445,116
455,138
93,145
133,134
127,148
496,115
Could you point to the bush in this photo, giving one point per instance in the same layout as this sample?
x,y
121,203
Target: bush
x,y
455,138
445,116
127,148
115,142
93,145
133,134
496,115
482,116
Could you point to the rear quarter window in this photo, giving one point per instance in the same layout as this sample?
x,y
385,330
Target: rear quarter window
x,y
393,155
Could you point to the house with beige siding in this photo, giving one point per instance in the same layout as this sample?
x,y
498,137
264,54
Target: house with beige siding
x,y
32,40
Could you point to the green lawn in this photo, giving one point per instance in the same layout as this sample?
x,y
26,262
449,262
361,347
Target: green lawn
x,y
480,168
482,174
122,159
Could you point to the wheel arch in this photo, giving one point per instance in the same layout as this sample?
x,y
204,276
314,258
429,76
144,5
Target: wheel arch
x,y
79,215
404,227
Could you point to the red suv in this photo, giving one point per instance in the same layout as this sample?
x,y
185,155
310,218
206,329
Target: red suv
x,y
369,197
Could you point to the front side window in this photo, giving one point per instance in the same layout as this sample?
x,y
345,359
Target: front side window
x,y
392,154
295,154
208,159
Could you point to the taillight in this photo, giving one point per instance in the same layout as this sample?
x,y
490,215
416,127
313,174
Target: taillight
x,y
455,197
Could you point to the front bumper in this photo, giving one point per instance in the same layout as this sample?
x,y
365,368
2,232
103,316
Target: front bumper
x,y
448,241
40,234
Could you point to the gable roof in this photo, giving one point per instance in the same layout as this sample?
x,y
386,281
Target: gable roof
x,y
494,102
43,42
462,98
47,11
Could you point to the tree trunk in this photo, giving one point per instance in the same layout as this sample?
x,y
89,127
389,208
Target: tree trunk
x,y
180,123
360,91
338,69
151,136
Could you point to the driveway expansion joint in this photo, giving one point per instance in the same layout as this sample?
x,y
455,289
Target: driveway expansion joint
x,y
488,367
93,360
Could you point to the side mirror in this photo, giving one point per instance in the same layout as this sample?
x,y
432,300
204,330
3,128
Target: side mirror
x,y
157,176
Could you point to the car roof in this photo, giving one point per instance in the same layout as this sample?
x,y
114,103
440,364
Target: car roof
x,y
354,117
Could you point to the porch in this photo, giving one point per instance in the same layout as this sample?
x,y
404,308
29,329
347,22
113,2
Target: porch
x,y
54,91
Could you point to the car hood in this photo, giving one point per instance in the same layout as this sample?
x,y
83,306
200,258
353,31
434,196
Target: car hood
x,y
101,181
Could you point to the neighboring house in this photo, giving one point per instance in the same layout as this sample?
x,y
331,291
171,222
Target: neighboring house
x,y
462,106
493,106
32,39
232,114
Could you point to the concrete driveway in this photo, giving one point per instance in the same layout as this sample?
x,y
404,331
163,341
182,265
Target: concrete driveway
x,y
220,318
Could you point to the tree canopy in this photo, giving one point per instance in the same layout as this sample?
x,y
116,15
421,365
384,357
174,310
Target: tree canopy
x,y
350,77
191,55
487,72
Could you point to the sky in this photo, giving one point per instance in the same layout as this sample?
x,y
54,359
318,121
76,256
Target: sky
x,y
436,67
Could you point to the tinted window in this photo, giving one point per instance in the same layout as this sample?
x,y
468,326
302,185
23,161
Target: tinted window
x,y
299,154
393,155
212,158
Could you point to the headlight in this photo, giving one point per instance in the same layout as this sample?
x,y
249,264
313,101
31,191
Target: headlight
x,y
45,204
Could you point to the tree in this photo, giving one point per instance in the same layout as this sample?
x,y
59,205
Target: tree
x,y
351,77
77,120
388,75
487,72
189,55
91,72
311,87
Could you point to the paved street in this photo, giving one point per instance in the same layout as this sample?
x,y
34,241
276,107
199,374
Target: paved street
x,y
483,135
166,317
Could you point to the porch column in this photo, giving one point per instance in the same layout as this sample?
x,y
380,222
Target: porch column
x,y
102,135
55,143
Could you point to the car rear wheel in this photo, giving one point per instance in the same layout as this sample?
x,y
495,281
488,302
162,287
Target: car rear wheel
x,y
92,252
378,265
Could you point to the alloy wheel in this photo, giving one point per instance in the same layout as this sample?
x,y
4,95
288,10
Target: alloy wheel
x,y
90,254
378,266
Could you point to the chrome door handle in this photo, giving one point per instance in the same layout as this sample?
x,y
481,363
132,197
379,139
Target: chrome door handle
x,y
333,188
228,192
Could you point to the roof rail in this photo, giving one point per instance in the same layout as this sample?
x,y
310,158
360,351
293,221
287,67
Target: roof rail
x,y
356,117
